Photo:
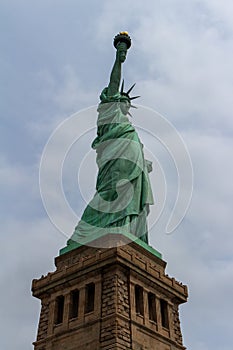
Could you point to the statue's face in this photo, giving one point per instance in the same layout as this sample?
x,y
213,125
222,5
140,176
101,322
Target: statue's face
x,y
125,106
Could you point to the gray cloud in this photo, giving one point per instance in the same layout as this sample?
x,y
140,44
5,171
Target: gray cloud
x,y
56,59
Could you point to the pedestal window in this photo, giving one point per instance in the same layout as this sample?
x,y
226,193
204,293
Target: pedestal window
x,y
59,309
89,297
74,303
139,303
152,307
164,313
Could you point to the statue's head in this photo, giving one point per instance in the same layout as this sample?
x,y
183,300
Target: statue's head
x,y
126,99
125,105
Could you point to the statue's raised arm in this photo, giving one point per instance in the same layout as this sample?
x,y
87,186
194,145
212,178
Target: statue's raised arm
x,y
122,43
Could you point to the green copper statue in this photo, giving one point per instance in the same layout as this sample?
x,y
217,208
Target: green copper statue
x,y
123,191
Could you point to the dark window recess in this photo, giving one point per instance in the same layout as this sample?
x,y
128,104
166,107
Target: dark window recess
x,y
152,307
89,297
59,309
164,313
139,300
74,303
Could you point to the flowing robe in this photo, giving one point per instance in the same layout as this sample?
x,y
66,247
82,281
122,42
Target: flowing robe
x,y
123,191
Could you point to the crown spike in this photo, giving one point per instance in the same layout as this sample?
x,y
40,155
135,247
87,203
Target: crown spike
x,y
133,98
122,86
131,88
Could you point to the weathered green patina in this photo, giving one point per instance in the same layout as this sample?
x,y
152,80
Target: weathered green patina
x,y
123,191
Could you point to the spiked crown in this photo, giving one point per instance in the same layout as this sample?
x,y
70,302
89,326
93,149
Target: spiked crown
x,y
125,95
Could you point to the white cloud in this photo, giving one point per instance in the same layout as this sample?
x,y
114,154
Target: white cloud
x,y
181,59
27,251
200,251
71,94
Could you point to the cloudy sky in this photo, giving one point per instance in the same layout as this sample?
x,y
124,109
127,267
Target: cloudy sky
x,y
55,59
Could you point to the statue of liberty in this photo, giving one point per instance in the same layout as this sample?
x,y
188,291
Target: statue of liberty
x,y
123,190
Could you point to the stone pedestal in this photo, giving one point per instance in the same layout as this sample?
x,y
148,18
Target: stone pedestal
x,y
109,298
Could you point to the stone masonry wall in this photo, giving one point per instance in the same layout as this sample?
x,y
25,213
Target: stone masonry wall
x,y
176,324
115,329
43,322
123,293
